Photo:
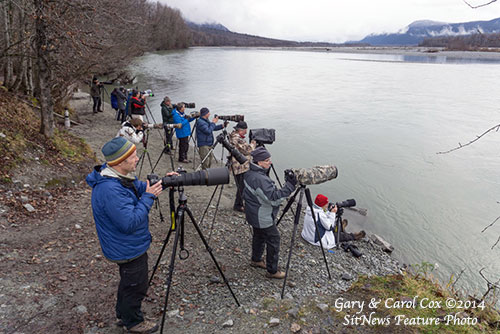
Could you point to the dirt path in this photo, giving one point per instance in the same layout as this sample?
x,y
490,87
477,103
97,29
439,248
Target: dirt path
x,y
55,279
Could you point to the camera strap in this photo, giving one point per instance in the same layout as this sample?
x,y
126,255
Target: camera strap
x,y
127,183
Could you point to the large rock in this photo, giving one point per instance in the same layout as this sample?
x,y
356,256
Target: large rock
x,y
386,247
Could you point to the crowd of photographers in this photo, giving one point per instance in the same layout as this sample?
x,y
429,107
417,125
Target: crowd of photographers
x,y
121,203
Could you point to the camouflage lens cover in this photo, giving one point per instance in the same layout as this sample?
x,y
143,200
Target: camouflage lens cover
x,y
316,174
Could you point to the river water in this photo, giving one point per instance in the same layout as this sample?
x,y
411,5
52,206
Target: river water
x,y
380,119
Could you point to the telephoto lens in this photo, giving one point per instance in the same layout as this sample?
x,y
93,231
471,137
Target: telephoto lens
x,y
207,177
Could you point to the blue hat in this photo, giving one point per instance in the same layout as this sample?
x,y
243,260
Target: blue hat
x,y
117,150
260,154
204,111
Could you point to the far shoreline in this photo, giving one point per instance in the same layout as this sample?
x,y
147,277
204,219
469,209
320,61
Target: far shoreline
x,y
382,50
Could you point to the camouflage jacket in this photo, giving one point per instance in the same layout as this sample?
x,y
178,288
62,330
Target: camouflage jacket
x,y
241,145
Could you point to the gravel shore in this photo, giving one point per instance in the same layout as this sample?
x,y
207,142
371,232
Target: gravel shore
x,y
57,281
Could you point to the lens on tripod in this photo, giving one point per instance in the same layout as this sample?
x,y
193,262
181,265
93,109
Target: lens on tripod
x,y
209,177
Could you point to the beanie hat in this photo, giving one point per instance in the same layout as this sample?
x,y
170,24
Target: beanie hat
x,y
260,154
241,125
321,200
204,111
117,150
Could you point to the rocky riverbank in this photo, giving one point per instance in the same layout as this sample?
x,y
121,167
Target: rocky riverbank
x,y
56,279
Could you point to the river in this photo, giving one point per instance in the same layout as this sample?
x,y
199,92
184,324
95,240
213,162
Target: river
x,y
380,119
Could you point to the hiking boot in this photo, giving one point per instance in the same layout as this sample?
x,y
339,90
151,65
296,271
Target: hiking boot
x,y
360,235
344,224
260,264
277,275
144,327
239,209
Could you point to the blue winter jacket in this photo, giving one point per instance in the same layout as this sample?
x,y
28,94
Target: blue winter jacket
x,y
204,132
185,131
262,197
121,217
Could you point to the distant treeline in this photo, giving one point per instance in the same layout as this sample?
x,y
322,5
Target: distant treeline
x,y
204,35
46,45
467,42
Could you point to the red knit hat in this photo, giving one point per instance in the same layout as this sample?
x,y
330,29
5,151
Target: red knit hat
x,y
321,200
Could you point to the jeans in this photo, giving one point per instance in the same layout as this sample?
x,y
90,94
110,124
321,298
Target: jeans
x,y
132,290
97,103
269,237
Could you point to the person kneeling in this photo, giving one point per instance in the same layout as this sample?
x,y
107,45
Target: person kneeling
x,y
326,224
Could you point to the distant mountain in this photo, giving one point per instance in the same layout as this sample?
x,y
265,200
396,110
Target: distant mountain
x,y
215,34
417,31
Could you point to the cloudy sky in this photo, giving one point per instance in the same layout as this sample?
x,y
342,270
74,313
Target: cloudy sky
x,y
328,20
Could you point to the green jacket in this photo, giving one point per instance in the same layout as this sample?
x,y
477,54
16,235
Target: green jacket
x,y
166,113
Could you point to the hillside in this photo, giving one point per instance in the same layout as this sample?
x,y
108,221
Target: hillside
x,y
216,34
417,31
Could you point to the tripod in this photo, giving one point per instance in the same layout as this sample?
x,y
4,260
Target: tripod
x,y
180,212
145,153
301,190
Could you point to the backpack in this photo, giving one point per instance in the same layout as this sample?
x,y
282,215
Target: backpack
x,y
114,101
127,105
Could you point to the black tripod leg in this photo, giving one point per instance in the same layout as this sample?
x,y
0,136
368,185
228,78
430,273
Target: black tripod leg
x,y
180,218
295,224
288,205
157,161
310,204
208,205
211,254
165,242
215,213
141,159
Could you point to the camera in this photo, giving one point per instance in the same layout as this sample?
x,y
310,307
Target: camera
x,y
208,177
172,125
233,118
262,136
348,203
194,114
148,92
186,104
234,152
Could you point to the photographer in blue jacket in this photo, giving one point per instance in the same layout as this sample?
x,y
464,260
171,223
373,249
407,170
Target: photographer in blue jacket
x,y
205,136
120,205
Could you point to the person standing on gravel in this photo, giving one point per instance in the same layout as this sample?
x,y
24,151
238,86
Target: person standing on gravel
x,y
262,201
120,206
96,91
237,139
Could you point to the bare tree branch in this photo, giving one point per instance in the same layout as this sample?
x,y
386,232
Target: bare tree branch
x,y
484,4
494,128
496,243
491,286
487,227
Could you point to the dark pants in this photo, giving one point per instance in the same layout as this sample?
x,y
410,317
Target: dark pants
x,y
168,137
132,290
269,237
97,103
346,236
183,148
120,115
240,185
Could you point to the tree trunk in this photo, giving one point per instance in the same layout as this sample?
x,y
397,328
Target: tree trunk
x,y
8,60
43,70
